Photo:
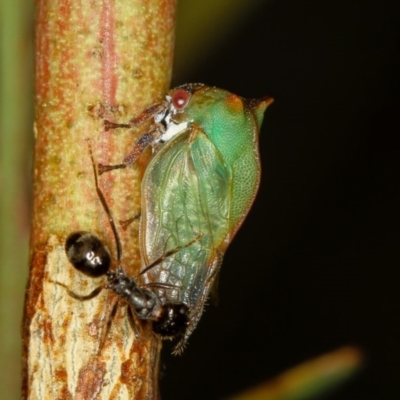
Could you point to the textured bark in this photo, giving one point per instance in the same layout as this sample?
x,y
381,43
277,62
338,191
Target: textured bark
x,y
95,60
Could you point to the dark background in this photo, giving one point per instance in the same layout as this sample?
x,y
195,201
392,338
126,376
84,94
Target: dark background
x,y
315,266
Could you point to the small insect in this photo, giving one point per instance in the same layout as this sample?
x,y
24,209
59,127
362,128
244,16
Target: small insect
x,y
200,183
89,255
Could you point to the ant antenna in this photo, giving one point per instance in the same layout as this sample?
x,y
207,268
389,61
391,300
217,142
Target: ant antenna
x,y
106,208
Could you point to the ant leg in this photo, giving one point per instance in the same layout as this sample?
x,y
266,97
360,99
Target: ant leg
x,y
169,254
106,208
132,322
160,285
113,313
76,296
108,326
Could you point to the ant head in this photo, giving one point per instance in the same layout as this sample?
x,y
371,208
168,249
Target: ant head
x,y
88,254
173,320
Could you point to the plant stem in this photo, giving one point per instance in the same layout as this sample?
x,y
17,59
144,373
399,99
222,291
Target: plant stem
x,y
94,61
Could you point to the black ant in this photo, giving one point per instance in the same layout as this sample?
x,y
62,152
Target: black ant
x,y
89,255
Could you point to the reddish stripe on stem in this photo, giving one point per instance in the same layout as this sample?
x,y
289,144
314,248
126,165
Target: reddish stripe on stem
x,y
107,31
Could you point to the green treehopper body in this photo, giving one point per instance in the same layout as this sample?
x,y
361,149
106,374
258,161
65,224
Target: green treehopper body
x,y
196,190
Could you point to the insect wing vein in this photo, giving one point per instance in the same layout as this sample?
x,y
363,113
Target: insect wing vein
x,y
191,200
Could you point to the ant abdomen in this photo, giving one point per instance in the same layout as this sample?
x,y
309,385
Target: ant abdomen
x,y
88,254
